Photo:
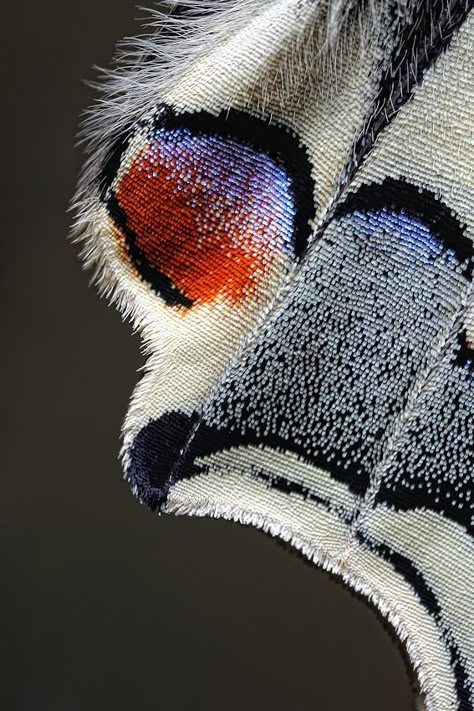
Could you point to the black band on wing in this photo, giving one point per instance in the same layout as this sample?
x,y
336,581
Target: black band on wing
x,y
422,31
158,281
415,578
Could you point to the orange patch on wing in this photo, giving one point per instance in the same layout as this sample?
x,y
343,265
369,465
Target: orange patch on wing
x,y
209,213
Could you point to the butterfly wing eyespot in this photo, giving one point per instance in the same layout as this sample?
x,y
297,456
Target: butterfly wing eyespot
x,y
206,211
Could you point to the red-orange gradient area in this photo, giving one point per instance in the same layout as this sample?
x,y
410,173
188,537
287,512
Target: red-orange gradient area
x,y
210,213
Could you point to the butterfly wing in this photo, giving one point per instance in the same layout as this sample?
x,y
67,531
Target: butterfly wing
x,y
289,223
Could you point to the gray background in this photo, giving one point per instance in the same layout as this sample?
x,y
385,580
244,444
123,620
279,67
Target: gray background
x,y
103,605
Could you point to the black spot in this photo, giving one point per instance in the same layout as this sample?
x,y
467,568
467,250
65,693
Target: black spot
x,y
154,458
465,354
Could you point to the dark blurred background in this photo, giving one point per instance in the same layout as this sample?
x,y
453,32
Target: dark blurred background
x,y
104,606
